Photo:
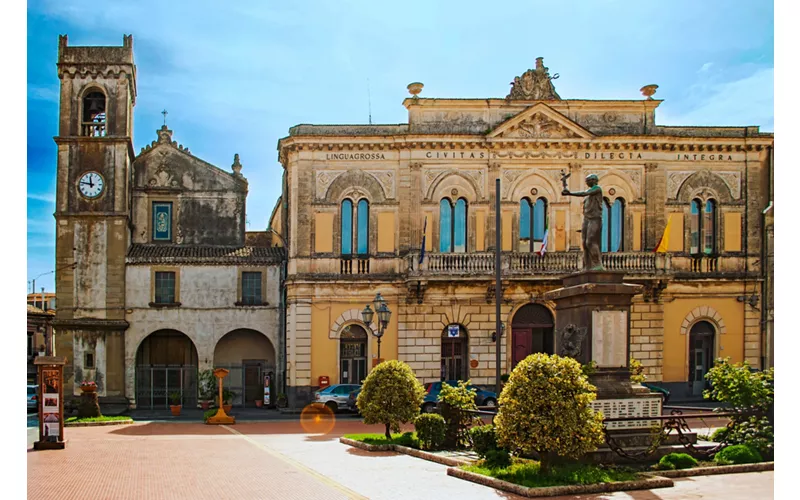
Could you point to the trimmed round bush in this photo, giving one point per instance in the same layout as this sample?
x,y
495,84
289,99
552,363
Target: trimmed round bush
x,y
738,454
483,439
677,461
391,395
544,409
718,435
498,459
430,429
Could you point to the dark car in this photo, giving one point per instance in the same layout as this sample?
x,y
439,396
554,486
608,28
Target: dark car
x,y
482,398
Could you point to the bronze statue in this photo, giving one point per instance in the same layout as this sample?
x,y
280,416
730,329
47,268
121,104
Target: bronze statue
x,y
592,228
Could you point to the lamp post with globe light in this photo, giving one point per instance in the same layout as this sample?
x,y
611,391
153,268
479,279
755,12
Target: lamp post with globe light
x,y
384,315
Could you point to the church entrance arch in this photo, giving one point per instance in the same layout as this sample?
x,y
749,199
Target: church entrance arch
x,y
531,332
250,358
166,363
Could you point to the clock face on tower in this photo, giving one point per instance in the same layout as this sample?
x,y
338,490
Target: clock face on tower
x,y
91,185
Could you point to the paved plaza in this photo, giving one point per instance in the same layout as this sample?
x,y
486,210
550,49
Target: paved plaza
x,y
279,459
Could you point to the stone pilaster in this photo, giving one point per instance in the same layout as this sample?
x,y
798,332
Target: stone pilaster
x,y
647,338
752,335
298,345
655,178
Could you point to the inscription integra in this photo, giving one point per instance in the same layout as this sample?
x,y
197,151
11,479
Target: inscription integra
x,y
354,156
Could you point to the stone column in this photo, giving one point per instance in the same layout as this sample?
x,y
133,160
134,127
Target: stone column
x,y
655,199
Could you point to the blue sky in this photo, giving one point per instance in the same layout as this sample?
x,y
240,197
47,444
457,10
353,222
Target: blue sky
x,y
234,76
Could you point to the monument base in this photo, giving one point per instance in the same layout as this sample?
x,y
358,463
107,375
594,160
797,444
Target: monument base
x,y
49,445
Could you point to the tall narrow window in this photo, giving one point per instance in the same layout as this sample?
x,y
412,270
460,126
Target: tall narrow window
x,y
605,230
710,228
165,288
362,231
251,288
694,228
162,221
539,223
525,223
460,226
94,115
445,226
617,225
347,227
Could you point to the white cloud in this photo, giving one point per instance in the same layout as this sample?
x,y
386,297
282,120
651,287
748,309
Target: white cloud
x,y
43,93
747,101
46,197
705,67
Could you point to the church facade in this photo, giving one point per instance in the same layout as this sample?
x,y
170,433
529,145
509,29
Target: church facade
x,y
407,211
156,277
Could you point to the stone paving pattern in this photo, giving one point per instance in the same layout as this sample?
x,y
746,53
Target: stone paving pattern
x,y
280,460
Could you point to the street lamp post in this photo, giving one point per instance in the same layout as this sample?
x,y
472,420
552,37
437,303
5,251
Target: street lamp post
x,y
384,315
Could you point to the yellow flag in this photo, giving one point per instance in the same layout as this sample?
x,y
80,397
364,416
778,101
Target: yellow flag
x,y
664,242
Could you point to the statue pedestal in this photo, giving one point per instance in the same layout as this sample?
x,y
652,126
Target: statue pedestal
x,y
593,324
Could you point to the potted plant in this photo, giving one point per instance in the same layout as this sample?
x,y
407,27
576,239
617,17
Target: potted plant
x,y
175,407
259,403
282,401
88,386
207,386
227,398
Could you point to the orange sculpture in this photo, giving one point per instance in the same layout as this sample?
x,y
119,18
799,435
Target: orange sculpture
x,y
221,417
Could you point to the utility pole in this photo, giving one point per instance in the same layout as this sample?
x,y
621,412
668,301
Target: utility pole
x,y
498,290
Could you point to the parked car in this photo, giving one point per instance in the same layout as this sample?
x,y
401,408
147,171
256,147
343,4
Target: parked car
x,y
482,398
351,401
664,393
33,390
335,396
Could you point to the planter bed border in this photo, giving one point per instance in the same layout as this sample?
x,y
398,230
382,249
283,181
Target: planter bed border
x,y
719,469
97,424
646,483
431,457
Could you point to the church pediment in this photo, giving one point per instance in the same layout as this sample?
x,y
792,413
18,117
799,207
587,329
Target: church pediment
x,y
540,121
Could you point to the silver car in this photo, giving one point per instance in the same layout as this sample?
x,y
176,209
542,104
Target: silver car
x,y
335,396
33,391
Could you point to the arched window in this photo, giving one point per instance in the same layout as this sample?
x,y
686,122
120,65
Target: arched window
x,y
94,115
613,225
617,225
347,227
710,228
532,224
445,226
362,232
694,228
455,362
460,226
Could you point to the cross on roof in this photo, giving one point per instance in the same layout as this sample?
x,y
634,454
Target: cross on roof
x,y
165,117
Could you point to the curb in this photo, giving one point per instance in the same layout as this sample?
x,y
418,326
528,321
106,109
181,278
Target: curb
x,y
552,491
97,424
710,471
431,457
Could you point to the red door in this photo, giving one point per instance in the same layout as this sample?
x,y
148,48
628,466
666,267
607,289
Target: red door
x,y
522,341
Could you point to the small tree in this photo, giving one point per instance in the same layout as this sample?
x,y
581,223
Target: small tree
x,y
544,408
391,395
747,392
453,401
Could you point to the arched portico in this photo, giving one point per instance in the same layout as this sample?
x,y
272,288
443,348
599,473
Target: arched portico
x,y
250,357
166,363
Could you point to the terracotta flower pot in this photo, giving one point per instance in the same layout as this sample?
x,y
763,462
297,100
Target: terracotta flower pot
x,y
205,404
175,409
259,403
227,409
89,388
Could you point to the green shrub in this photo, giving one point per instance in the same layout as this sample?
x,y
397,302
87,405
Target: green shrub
x,y
452,403
483,439
391,395
677,461
738,454
498,458
408,439
544,409
718,435
430,430
208,414
206,385
637,371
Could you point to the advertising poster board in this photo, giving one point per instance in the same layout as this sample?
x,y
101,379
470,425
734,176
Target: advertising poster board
x,y
51,403
266,390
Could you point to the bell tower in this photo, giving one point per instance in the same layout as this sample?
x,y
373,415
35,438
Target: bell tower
x,y
95,154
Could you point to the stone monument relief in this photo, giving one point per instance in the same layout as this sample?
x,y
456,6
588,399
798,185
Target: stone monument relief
x,y
609,338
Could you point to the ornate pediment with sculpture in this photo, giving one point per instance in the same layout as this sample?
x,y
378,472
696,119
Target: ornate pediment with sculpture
x,y
534,85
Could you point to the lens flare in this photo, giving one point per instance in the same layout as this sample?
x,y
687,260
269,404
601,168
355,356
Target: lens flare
x,y
317,419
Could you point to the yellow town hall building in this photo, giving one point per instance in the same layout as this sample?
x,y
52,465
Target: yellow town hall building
x,y
359,201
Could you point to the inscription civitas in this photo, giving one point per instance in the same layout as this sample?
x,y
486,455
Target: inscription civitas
x,y
355,156
453,155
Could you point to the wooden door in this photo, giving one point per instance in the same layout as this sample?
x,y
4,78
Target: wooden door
x,y
522,342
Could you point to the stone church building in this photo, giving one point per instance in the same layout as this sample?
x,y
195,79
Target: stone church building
x,y
157,278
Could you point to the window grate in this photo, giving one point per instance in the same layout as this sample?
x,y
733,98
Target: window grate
x,y
251,288
165,287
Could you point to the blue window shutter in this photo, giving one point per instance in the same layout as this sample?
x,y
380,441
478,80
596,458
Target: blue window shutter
x,y
524,219
604,232
617,212
347,227
539,217
363,228
445,225
460,223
